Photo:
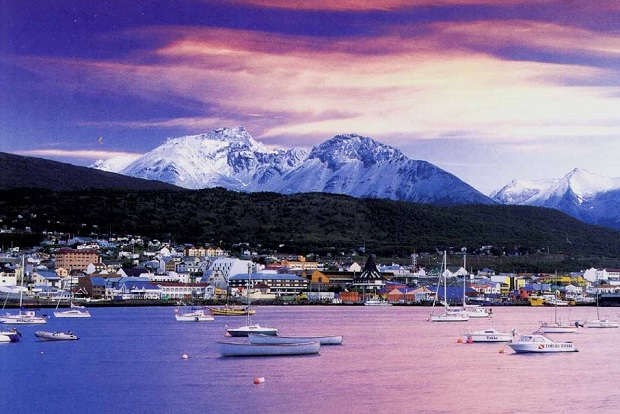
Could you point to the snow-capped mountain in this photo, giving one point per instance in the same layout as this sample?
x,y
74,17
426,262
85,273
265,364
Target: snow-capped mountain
x,y
583,195
346,164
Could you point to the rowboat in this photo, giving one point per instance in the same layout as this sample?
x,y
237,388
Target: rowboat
x,y
269,339
237,349
537,343
56,336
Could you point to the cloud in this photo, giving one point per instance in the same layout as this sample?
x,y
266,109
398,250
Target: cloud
x,y
296,88
366,5
72,154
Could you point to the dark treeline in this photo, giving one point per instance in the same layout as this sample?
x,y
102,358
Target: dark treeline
x,y
306,223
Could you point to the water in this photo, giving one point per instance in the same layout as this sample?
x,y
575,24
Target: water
x,y
392,360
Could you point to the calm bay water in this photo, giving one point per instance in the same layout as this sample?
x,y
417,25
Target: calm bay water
x,y
392,360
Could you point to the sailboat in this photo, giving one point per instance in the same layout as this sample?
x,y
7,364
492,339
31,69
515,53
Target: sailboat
x,y
557,326
24,317
249,327
473,311
598,322
449,314
74,311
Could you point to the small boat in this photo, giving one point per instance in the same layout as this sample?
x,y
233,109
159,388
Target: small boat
x,y
598,322
270,339
74,312
24,318
557,327
376,302
251,329
10,336
449,314
235,349
197,315
232,311
538,343
489,335
477,311
56,336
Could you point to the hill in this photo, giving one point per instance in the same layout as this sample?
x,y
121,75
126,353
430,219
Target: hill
x,y
304,223
28,172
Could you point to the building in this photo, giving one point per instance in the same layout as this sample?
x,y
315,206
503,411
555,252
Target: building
x,y
75,259
278,284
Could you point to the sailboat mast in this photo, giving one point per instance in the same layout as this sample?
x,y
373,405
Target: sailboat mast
x,y
464,249
445,281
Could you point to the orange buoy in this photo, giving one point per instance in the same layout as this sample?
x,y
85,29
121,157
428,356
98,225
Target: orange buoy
x,y
501,351
459,341
259,380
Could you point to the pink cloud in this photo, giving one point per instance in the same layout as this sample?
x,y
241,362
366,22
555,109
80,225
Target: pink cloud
x,y
364,5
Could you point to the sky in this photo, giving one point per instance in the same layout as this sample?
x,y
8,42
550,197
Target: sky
x,y
489,90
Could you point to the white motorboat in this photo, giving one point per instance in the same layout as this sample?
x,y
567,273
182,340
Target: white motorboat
x,y
251,329
477,311
271,339
197,315
235,349
538,343
489,335
24,318
10,336
55,336
74,312
376,302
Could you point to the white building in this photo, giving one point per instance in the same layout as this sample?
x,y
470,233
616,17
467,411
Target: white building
x,y
223,268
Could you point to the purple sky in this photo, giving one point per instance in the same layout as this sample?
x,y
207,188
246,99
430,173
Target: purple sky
x,y
490,90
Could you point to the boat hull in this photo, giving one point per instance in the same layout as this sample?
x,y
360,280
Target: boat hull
x,y
557,328
489,336
231,311
55,336
231,349
9,336
244,331
540,344
601,323
72,314
270,339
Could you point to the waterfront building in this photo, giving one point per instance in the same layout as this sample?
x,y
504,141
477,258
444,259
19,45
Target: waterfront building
x,y
370,280
174,290
75,259
278,284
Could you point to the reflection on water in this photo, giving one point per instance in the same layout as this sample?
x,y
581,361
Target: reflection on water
x,y
391,360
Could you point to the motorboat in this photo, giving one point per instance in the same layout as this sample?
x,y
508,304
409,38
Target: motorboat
x,y
10,336
489,335
56,336
244,349
538,343
450,315
232,311
251,329
376,302
271,339
196,315
477,311
28,317
74,312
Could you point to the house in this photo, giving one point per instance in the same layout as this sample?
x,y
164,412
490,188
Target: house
x,y
370,280
45,277
278,284
173,290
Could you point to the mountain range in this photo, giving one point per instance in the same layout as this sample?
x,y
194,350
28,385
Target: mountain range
x,y
345,164
588,197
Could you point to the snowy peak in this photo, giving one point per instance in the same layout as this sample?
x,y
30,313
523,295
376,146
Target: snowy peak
x,y
580,193
345,164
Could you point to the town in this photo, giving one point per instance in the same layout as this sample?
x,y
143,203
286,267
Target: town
x,y
129,269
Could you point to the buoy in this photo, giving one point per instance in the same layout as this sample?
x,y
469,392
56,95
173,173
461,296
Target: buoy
x,y
459,341
501,351
185,356
259,380
470,340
